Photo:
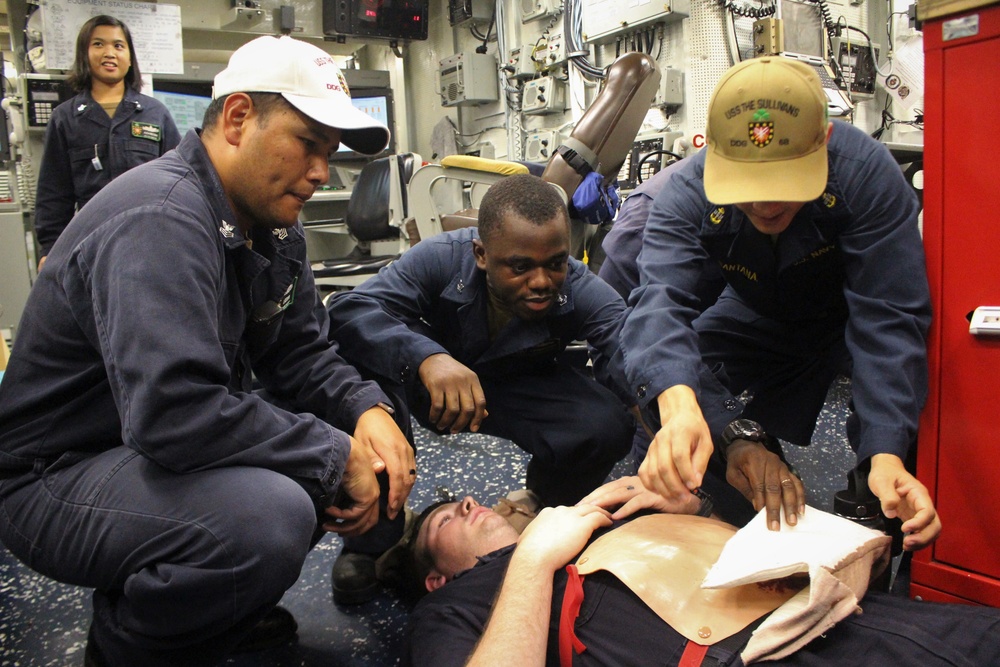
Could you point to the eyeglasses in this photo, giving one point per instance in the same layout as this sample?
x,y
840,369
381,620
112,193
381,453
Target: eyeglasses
x,y
443,494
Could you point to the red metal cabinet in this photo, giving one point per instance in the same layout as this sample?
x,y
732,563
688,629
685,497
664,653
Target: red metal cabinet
x,y
959,450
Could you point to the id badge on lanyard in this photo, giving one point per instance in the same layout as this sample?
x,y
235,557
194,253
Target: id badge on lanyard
x,y
96,161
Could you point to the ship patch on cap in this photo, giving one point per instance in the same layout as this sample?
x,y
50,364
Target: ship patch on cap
x,y
761,128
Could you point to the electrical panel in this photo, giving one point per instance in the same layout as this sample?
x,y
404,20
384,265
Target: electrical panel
x,y
44,93
521,62
768,36
553,54
539,145
242,17
532,10
603,20
467,79
461,12
644,160
543,95
670,94
856,65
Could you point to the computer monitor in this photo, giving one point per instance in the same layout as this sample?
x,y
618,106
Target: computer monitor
x,y
805,33
377,103
185,100
805,40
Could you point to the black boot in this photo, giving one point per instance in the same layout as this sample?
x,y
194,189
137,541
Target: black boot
x,y
278,627
354,579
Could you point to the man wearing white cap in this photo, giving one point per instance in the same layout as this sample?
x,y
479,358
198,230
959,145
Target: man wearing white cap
x,y
815,231
135,456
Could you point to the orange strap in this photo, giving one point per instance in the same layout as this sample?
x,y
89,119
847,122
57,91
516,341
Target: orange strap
x,y
572,599
693,654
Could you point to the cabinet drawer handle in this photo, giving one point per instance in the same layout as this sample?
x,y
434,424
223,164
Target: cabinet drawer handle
x,y
985,321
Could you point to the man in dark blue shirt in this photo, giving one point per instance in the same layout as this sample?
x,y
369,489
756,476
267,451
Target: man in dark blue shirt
x,y
135,457
467,329
815,231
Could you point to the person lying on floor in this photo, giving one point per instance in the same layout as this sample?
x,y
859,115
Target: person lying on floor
x,y
763,606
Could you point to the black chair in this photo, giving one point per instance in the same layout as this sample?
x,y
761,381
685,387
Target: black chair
x,y
375,219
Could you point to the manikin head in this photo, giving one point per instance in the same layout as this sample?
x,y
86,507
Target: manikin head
x,y
447,538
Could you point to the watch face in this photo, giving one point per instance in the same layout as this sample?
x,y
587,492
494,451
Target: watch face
x,y
743,429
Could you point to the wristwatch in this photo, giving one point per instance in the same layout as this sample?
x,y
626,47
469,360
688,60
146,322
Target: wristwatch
x,y
706,507
742,429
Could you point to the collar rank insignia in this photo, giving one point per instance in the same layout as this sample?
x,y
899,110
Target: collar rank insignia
x,y
829,200
716,216
227,230
281,233
761,130
562,299
288,298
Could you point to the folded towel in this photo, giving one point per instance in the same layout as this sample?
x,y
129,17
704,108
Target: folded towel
x,y
839,556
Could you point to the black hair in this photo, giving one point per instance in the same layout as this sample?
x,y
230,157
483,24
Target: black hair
x,y
80,76
523,195
264,103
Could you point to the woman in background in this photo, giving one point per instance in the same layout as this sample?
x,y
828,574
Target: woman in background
x,y
102,132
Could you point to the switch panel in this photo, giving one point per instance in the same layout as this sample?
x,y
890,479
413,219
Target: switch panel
x,y
543,95
467,79
521,62
539,145
554,52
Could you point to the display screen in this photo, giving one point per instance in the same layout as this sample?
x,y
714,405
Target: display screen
x,y
377,103
401,19
186,109
376,106
803,27
187,103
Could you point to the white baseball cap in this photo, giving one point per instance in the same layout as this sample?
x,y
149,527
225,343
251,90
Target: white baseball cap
x,y
309,79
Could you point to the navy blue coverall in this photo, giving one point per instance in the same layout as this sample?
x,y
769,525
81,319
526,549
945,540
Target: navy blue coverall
x,y
134,457
844,284
434,300
80,130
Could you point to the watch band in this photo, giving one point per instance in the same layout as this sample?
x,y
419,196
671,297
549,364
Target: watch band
x,y
741,429
707,506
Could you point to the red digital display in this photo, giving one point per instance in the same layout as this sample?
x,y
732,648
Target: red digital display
x,y
388,19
